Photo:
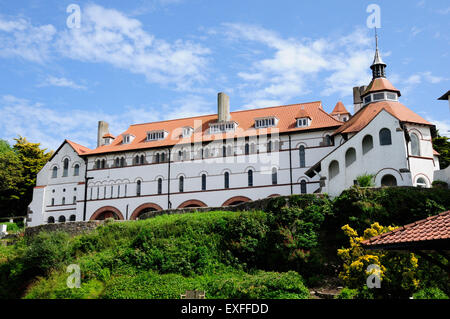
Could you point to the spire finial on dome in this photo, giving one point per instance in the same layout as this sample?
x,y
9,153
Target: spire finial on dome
x,y
378,65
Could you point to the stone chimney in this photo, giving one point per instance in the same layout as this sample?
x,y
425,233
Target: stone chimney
x,y
103,128
357,101
223,107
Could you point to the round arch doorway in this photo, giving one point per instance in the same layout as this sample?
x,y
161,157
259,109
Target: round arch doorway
x,y
107,212
144,208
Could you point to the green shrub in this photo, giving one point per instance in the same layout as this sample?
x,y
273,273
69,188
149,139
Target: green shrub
x,y
366,180
11,227
347,293
430,293
439,184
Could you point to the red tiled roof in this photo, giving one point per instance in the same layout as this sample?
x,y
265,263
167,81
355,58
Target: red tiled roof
x,y
286,115
80,149
108,135
380,84
340,109
368,112
435,152
436,227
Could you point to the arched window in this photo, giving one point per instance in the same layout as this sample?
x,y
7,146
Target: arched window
x,y
97,164
138,188
74,200
181,184
61,219
203,182
250,177
333,169
117,162
388,180
301,152
227,179
63,201
415,145
247,149
51,220
136,160
72,218
274,176
303,186
367,143
385,136
163,157
66,167
159,185
157,158
421,182
122,161
269,146
55,172
180,155
350,156
142,159
103,165
328,140
53,202
76,170
224,150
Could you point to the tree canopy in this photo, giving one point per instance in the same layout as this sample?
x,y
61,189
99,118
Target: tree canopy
x,y
19,165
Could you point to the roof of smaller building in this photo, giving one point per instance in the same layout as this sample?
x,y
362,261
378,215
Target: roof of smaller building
x,y
80,149
363,117
108,135
340,109
380,84
433,228
445,96
435,152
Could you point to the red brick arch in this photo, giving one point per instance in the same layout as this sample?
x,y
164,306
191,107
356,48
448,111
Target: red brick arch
x,y
197,203
102,212
234,199
140,208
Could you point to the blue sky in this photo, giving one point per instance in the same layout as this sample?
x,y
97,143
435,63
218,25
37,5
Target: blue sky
x,y
141,61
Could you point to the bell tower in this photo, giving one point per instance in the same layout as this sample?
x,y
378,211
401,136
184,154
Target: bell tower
x,y
378,66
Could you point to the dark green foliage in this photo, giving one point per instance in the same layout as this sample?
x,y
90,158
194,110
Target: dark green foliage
x,y
11,227
389,206
442,145
430,293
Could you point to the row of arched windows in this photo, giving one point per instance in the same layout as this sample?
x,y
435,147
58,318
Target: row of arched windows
x,y
61,219
76,169
366,144
63,201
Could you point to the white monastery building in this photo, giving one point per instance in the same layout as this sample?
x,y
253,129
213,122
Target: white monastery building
x,y
232,157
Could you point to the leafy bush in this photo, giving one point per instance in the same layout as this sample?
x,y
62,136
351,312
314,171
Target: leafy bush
x,y
11,227
430,293
366,180
347,293
439,184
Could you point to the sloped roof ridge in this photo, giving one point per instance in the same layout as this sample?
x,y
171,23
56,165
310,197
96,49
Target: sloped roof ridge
x,y
238,111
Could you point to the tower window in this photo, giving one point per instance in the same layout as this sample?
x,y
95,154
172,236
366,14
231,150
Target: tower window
x,y
181,184
76,170
66,168
55,172
302,155
250,177
385,137
138,189
159,185
274,176
303,187
227,180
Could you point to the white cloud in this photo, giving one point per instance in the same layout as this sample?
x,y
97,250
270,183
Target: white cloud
x,y
294,63
20,38
109,36
415,79
61,82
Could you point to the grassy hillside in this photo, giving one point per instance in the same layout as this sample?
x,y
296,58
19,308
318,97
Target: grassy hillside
x,y
271,254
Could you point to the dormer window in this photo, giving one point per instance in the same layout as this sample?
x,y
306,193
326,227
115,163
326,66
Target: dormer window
x,y
156,135
222,127
266,122
127,138
303,122
187,131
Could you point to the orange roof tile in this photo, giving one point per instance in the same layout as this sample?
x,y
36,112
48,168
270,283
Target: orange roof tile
x,y
435,152
286,115
435,227
380,84
108,135
368,113
340,109
80,149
